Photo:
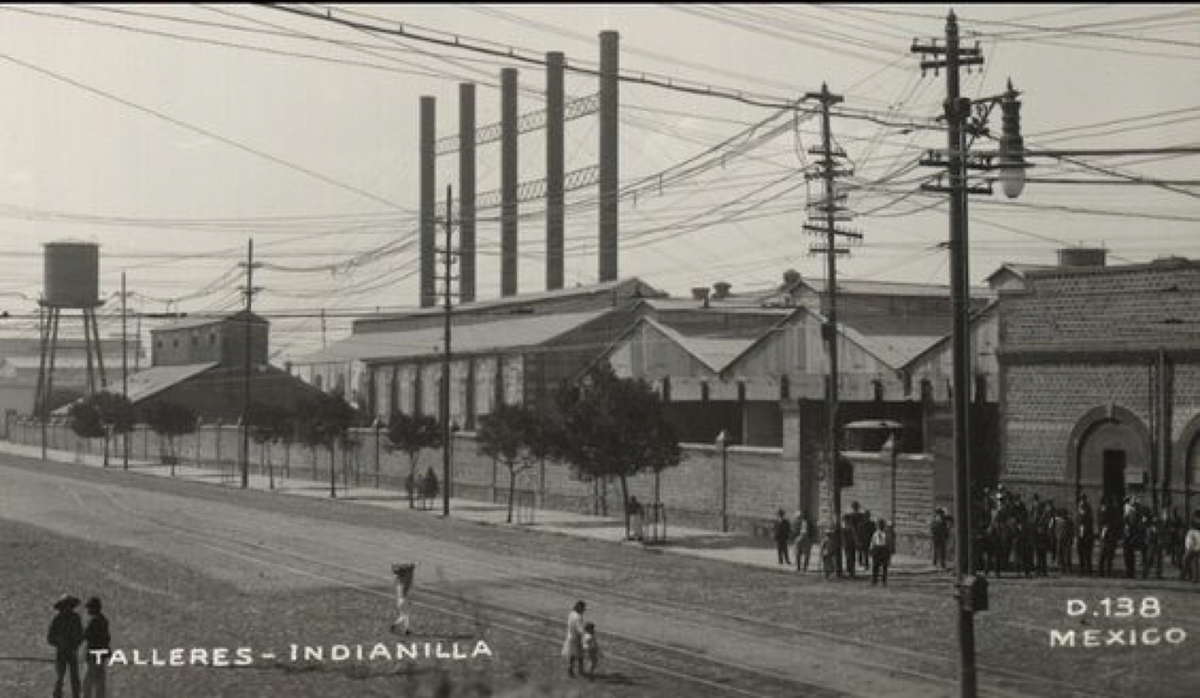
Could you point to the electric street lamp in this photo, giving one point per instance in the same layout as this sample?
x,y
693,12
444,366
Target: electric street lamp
x,y
1011,161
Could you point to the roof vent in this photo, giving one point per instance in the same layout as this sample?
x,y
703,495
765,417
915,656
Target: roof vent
x,y
700,293
1082,257
721,290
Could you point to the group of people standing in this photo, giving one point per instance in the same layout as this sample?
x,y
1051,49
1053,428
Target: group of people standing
x,y
860,541
66,634
1029,537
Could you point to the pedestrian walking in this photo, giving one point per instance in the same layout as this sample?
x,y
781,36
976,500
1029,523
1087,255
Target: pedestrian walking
x,y
939,531
635,519
405,575
1042,543
783,537
65,636
802,530
99,643
1133,537
1064,537
591,649
881,552
1190,568
1110,537
573,647
849,545
1086,525
1152,555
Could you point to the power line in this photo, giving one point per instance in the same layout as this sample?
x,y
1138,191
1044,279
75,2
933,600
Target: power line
x,y
202,131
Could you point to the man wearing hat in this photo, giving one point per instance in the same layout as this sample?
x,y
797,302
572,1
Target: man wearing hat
x,y
66,633
405,574
98,640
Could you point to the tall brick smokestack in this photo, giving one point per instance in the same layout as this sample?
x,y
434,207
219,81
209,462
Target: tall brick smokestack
x,y
555,167
609,144
427,231
466,192
508,182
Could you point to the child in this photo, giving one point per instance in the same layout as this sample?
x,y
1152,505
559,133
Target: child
x,y
591,649
829,553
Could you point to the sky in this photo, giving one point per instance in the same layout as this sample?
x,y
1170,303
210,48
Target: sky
x,y
172,135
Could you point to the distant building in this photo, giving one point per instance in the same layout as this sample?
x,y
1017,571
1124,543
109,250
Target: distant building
x,y
514,350
20,358
201,363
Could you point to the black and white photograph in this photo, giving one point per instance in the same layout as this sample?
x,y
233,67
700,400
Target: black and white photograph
x,y
600,350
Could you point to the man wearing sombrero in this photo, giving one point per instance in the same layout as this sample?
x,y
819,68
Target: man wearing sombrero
x,y
66,634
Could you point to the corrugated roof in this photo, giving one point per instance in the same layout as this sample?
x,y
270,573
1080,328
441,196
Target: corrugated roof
x,y
476,337
714,352
154,380
739,304
190,323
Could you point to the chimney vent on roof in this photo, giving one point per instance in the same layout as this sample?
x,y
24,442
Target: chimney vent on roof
x,y
1082,257
700,293
721,290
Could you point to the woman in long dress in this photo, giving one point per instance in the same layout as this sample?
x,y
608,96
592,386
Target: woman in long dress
x,y
573,647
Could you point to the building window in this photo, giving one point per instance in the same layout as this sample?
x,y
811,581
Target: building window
x,y
926,391
175,342
212,338
877,385
317,382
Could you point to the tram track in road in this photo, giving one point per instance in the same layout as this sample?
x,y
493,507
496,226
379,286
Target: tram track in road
x,y
901,662
669,660
645,655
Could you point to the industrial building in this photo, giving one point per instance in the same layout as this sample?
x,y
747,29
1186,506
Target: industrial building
x,y
202,363
1099,370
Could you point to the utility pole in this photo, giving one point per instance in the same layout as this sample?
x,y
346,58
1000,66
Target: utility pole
x,y
826,212
124,370
448,255
952,57
249,290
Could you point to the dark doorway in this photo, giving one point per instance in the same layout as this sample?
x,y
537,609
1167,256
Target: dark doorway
x,y
1114,474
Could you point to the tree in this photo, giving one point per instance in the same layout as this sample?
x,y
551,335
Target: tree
x,y
513,436
170,420
325,421
100,415
268,424
411,435
615,427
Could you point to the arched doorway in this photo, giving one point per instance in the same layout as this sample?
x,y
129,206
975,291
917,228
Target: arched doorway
x,y
1109,451
1187,464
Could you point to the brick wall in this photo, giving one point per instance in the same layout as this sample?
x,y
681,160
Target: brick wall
x,y
760,480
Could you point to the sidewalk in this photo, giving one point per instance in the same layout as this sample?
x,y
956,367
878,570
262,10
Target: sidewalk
x,y
694,542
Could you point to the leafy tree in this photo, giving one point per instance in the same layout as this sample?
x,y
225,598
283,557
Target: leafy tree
x,y
514,437
615,427
268,424
411,435
170,420
100,415
324,422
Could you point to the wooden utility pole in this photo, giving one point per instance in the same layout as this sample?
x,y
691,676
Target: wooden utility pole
x,y
124,370
952,57
448,278
249,290
824,216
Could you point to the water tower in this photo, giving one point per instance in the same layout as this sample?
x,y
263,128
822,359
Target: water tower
x,y
72,282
